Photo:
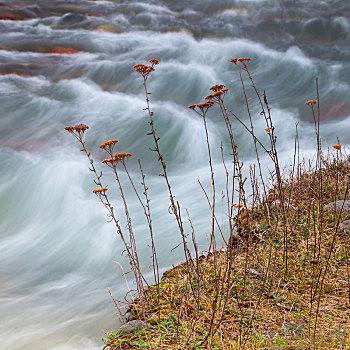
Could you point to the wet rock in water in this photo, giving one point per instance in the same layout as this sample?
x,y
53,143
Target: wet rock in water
x,y
338,206
134,325
63,50
109,28
345,225
71,18
15,73
5,15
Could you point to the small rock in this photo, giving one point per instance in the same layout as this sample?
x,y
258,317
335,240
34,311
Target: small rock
x,y
134,325
129,316
11,16
235,232
253,272
345,225
338,205
71,18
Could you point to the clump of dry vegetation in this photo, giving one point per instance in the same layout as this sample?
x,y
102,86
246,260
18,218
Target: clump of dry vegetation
x,y
282,278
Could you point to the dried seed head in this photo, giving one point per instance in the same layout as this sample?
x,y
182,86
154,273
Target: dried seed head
x,y
144,70
244,59
77,130
80,128
205,106
99,190
218,93
338,147
217,87
122,155
108,143
311,102
154,61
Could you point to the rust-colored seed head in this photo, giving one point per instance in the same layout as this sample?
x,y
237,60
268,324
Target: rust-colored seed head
x,y
269,128
233,60
144,70
243,59
205,106
154,61
108,160
217,87
99,190
192,106
310,102
108,143
237,205
80,128
338,147
218,93
69,128
122,155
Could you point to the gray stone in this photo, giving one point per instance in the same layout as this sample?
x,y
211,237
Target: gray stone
x,y
345,225
129,316
235,232
134,325
338,205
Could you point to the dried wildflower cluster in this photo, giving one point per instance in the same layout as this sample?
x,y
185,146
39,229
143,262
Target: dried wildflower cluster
x,y
116,157
154,61
217,87
311,102
219,92
338,147
108,143
243,60
110,160
145,70
108,146
99,190
235,205
122,155
202,106
79,128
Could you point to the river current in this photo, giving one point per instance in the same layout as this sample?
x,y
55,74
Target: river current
x,y
58,254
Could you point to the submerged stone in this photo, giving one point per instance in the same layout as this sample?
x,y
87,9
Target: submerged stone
x,y
63,50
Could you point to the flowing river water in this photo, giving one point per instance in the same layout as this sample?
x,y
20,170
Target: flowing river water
x,y
57,251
